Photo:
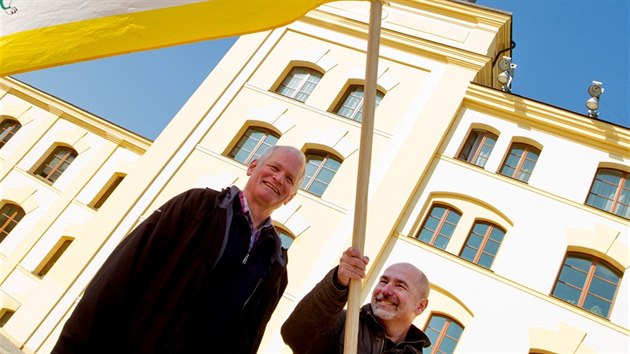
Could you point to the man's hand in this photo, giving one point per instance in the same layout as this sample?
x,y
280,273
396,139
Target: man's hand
x,y
351,266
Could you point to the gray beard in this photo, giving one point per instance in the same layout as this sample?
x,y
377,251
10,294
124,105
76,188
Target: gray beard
x,y
382,313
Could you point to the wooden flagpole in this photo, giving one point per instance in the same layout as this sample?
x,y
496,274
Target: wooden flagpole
x,y
363,175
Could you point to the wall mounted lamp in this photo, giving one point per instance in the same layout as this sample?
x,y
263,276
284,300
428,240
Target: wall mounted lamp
x,y
507,73
594,90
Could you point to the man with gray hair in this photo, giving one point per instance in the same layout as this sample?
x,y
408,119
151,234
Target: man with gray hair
x,y
202,274
317,324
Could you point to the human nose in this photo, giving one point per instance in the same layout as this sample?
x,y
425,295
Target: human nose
x,y
387,289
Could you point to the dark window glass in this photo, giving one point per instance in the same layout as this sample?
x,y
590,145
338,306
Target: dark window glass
x,y
587,282
56,163
439,226
478,147
253,144
611,192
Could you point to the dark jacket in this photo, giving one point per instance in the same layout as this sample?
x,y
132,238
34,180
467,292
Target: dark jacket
x,y
317,325
150,294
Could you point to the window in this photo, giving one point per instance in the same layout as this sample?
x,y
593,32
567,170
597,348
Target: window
x,y
110,188
483,243
351,105
53,256
285,237
587,282
10,216
8,128
56,163
520,162
439,226
478,147
320,170
611,192
254,143
444,334
299,83
5,316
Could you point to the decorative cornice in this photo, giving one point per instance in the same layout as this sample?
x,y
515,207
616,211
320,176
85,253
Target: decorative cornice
x,y
570,125
62,109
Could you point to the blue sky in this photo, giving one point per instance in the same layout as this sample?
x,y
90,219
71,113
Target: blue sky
x,y
561,47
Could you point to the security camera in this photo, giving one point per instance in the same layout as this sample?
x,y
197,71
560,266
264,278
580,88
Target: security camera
x,y
595,89
505,64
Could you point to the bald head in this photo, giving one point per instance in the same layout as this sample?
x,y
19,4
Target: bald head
x,y
417,279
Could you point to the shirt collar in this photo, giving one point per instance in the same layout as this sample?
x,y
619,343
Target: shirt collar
x,y
246,211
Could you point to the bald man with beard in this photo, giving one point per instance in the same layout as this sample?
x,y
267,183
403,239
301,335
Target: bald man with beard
x,y
317,324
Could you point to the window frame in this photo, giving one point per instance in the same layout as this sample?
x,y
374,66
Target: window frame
x,y
18,212
619,190
474,144
585,290
69,154
441,222
485,239
435,346
309,181
518,172
53,256
310,73
358,109
107,190
8,130
255,152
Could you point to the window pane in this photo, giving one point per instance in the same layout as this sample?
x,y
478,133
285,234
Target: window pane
x,y
8,128
252,145
610,192
299,83
596,306
578,271
320,171
439,226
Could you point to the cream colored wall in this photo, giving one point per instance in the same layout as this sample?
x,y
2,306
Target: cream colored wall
x,y
430,52
53,210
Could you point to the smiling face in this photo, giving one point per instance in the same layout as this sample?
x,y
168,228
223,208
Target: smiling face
x,y
400,295
274,179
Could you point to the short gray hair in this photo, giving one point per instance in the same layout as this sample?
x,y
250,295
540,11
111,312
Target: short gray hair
x,y
297,152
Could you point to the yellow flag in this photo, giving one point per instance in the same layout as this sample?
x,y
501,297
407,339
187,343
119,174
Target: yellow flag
x,y
36,34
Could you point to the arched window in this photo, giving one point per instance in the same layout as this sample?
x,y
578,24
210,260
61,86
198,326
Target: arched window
x,y
299,83
439,226
520,163
8,128
56,163
320,169
252,144
587,282
351,104
444,334
483,244
285,236
478,147
10,216
611,192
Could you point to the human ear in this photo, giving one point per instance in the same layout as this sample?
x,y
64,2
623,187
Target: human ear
x,y
422,306
289,198
252,167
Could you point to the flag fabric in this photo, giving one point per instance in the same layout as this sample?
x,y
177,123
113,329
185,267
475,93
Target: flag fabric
x,y
36,34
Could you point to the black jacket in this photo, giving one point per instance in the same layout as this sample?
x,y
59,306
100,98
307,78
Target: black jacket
x,y
149,295
317,325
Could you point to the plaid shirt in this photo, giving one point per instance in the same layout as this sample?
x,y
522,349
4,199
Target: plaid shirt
x,y
255,233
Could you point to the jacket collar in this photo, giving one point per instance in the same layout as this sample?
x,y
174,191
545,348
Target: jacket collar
x,y
225,201
415,336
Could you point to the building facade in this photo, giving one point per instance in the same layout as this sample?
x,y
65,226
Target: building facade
x,y
516,210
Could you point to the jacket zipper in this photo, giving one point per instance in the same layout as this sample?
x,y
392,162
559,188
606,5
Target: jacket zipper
x,y
252,294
